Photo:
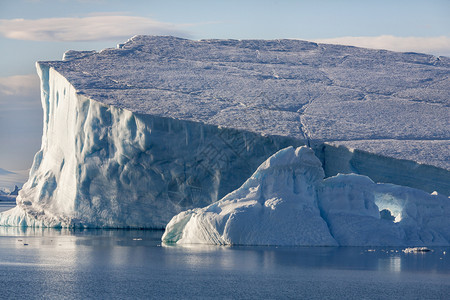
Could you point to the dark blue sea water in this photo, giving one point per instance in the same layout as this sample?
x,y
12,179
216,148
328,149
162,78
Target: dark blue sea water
x,y
132,264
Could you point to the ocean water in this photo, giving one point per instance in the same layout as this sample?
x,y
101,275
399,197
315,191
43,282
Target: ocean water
x,y
132,264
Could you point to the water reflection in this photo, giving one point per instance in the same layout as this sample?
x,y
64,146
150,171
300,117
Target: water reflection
x,y
104,262
64,247
391,264
29,231
69,248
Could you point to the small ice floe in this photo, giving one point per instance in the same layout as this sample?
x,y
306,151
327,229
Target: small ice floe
x,y
416,250
137,239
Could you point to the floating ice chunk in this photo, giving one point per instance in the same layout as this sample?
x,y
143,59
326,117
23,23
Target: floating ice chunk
x,y
287,202
416,250
277,205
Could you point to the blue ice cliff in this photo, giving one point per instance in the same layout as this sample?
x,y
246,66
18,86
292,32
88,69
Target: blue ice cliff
x,y
135,135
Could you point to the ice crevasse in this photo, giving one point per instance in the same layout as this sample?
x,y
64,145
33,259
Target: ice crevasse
x,y
287,201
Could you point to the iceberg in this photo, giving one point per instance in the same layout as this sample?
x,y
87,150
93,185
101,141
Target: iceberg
x,y
159,125
287,201
265,210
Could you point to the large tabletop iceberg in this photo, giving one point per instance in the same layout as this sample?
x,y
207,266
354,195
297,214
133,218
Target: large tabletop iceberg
x,y
287,201
137,134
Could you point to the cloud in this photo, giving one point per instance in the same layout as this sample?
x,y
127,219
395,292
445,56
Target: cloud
x,y
91,28
432,45
19,85
19,93
20,120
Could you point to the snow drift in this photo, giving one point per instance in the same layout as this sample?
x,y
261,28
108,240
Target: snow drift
x,y
287,201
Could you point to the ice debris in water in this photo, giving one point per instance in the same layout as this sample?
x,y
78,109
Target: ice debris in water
x,y
416,250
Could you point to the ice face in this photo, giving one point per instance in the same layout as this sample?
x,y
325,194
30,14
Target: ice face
x,y
382,102
103,166
380,168
137,134
287,202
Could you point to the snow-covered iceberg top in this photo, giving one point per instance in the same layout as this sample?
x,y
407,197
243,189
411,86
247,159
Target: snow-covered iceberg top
x,y
135,135
385,101
287,201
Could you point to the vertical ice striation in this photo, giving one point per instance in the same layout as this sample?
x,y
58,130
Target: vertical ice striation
x,y
104,166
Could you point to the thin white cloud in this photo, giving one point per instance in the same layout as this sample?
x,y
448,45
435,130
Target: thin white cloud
x,y
100,27
107,13
20,121
431,45
19,85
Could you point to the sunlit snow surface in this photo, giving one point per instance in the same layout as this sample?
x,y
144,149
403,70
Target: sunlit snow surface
x,y
287,201
280,87
134,135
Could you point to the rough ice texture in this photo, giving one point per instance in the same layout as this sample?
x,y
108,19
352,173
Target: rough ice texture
x,y
287,201
290,88
159,125
103,166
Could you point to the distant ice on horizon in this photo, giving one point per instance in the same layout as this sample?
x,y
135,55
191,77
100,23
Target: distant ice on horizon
x,y
8,179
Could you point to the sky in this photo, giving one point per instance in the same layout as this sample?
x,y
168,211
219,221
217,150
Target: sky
x,y
33,30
